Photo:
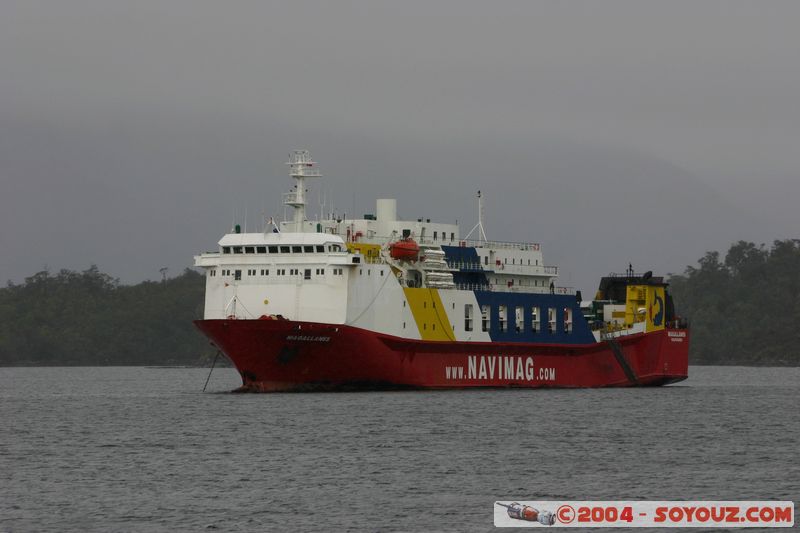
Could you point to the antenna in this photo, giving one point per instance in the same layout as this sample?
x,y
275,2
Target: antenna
x,y
479,225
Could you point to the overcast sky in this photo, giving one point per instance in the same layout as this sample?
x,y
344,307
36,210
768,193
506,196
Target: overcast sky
x,y
133,133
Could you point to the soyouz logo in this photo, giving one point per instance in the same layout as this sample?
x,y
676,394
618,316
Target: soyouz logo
x,y
584,514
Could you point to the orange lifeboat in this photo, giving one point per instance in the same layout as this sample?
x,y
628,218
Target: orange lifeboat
x,y
406,249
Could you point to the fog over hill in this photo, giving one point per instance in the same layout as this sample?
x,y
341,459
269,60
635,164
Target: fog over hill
x,y
179,184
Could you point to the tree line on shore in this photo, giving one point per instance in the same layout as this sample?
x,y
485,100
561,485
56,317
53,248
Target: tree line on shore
x,y
89,318
744,309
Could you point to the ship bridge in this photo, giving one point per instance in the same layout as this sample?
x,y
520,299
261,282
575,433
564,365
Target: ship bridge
x,y
255,274
283,243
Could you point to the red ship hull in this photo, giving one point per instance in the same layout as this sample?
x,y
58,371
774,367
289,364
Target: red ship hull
x,y
284,355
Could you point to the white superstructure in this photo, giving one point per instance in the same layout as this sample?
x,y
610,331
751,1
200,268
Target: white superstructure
x,y
343,271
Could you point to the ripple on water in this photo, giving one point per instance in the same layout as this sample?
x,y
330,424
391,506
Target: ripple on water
x,y
98,449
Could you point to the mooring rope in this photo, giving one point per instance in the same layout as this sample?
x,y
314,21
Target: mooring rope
x,y
210,371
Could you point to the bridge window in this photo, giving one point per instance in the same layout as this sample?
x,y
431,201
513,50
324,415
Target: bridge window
x,y
262,249
226,249
249,249
468,317
272,249
486,318
285,249
297,249
320,249
520,319
237,249
502,312
308,249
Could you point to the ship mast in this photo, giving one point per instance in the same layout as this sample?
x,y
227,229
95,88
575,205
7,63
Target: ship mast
x,y
300,167
479,225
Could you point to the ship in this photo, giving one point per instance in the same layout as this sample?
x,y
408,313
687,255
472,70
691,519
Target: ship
x,y
370,303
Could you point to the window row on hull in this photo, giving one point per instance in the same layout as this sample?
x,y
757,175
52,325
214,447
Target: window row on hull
x,y
237,274
282,249
516,321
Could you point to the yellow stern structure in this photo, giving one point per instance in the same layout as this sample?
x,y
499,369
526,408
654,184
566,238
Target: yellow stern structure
x,y
645,303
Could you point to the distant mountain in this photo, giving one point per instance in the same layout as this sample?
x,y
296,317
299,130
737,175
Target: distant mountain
x,y
140,191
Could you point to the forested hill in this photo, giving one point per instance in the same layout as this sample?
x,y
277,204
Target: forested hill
x,y
89,318
743,309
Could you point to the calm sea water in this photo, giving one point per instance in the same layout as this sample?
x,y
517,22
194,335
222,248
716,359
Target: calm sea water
x,y
142,449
